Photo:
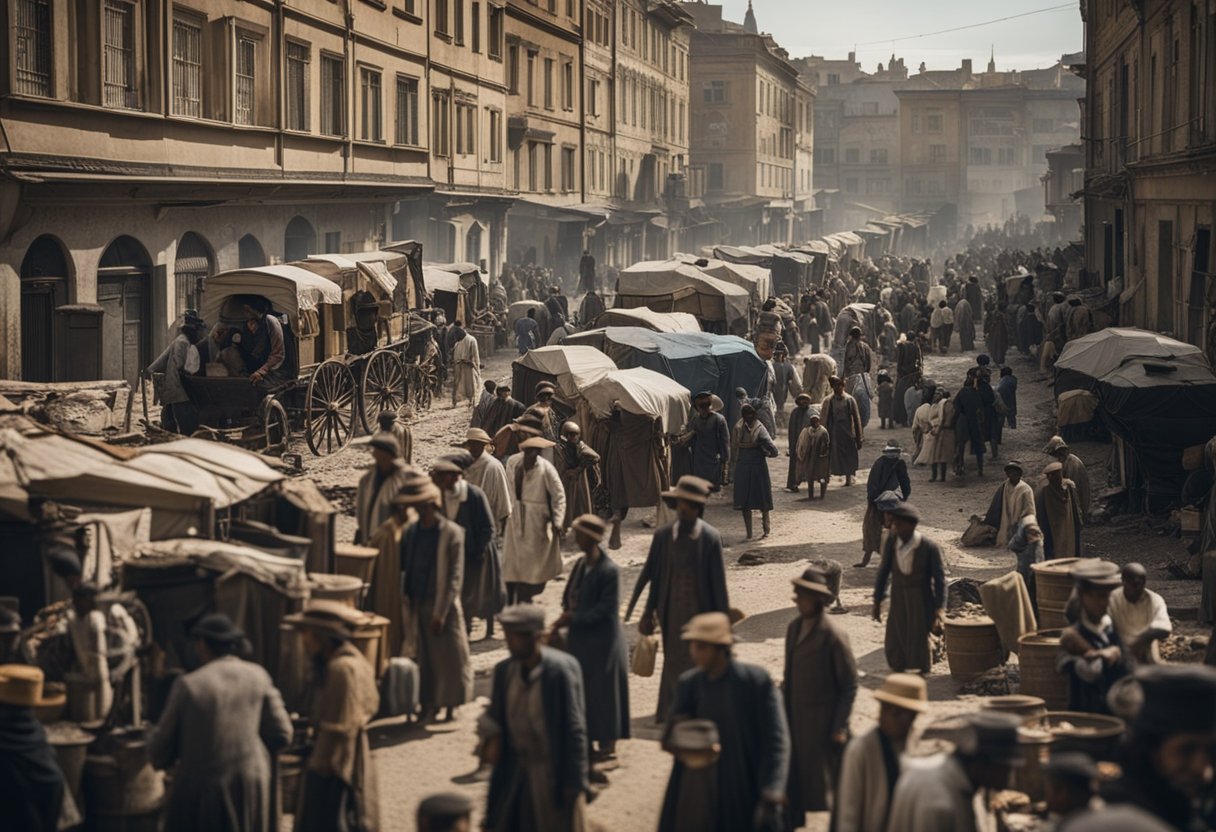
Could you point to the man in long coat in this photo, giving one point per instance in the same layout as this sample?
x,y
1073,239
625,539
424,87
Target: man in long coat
x,y
487,473
502,411
888,473
800,417
384,596
708,438
909,365
339,790
1012,501
377,487
974,294
432,578
819,689
1058,509
964,324
753,487
842,418
483,592
466,361
870,769
814,454
786,381
32,787
996,334
532,555
591,610
535,733
1074,469
913,564
687,576
220,727
747,784
579,466
970,426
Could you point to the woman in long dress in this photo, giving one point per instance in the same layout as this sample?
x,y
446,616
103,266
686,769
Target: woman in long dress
x,y
753,485
941,446
842,418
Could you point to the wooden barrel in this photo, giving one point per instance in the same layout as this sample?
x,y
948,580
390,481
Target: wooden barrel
x,y
972,647
1052,587
344,589
357,561
1097,735
1018,704
1037,656
370,637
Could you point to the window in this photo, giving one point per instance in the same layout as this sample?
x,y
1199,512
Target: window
x,y
934,123
297,85
567,85
441,131
407,110
981,156
714,92
410,7
466,118
531,79
494,117
495,36
533,166
476,33
118,70
548,163
593,97
33,34
1007,155
187,66
878,156
833,79
442,25
333,96
852,156
937,153
458,21
912,186
333,242
370,106
916,122
825,155
548,81
512,68
243,81
715,177
567,169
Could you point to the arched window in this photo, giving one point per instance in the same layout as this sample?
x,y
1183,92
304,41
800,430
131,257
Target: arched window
x,y
195,263
44,281
251,253
300,240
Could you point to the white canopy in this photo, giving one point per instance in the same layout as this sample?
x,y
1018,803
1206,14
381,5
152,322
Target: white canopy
x,y
441,280
639,391
573,367
1104,351
648,318
288,288
757,280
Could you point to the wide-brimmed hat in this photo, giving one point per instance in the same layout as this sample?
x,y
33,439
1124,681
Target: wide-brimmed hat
x,y
21,684
415,494
1101,574
690,488
529,423
814,580
716,404
478,436
330,617
709,628
386,442
538,442
528,618
693,736
591,525
545,387
217,627
904,690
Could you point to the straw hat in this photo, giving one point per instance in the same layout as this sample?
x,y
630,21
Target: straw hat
x,y
329,617
538,442
904,690
815,580
690,488
21,685
591,525
478,436
709,628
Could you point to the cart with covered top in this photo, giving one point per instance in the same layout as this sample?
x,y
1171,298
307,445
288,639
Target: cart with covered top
x,y
347,348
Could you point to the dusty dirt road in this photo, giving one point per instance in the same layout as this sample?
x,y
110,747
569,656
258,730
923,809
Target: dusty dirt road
x,y
415,761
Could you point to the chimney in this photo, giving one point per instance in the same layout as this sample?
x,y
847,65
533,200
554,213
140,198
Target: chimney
x,y
966,66
852,57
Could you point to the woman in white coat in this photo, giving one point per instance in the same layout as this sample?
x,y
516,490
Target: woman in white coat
x,y
532,551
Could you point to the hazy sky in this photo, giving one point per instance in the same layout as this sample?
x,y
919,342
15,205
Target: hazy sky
x,y
832,28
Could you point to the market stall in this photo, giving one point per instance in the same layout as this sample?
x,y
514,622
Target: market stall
x,y
672,286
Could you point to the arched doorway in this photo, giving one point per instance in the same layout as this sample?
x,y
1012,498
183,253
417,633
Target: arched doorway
x,y
300,239
472,243
44,280
195,263
122,293
250,254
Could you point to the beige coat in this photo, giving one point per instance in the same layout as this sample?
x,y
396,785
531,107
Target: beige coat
x,y
940,444
814,455
384,594
466,361
533,550
373,509
447,677
861,799
340,712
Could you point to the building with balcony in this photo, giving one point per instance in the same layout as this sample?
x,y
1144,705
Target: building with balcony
x,y
1150,162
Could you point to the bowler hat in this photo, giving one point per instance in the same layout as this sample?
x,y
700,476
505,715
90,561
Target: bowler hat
x,y
802,398
814,580
329,617
217,627
690,488
1014,465
1053,468
591,525
528,618
21,685
709,628
904,690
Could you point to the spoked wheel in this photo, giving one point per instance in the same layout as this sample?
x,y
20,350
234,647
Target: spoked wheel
x,y
329,408
424,390
276,430
383,387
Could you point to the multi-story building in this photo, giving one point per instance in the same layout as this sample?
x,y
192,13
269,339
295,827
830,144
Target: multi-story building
x,y
466,95
544,132
147,145
1063,185
1150,182
745,130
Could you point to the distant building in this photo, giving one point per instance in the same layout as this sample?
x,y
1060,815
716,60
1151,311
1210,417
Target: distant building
x,y
1150,180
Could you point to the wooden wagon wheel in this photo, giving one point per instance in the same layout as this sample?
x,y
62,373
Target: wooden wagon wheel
x,y
425,389
276,429
329,408
383,387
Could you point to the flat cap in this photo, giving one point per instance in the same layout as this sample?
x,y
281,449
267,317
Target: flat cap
x,y
528,618
906,511
1097,573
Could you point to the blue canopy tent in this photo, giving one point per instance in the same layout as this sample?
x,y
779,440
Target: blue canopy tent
x,y
697,360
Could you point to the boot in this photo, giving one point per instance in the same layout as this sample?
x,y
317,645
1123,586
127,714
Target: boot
x,y
614,540
848,481
764,524
747,524
933,472
489,628
823,490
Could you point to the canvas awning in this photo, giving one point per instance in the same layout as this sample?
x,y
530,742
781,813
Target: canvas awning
x,y
648,318
686,289
289,289
572,367
1102,352
639,391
